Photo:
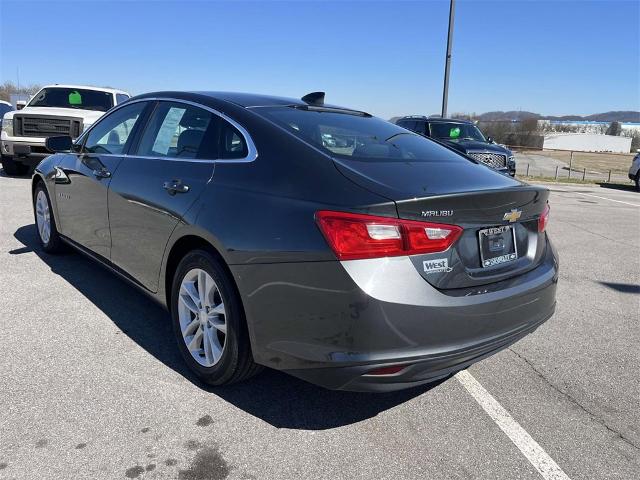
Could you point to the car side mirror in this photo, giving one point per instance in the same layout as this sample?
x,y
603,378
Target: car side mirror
x,y
490,140
62,143
20,104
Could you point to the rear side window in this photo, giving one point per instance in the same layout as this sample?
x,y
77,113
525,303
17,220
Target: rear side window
x,y
179,130
408,124
417,126
110,134
421,128
232,143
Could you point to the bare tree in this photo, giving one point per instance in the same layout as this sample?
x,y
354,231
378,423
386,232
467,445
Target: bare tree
x,y
9,88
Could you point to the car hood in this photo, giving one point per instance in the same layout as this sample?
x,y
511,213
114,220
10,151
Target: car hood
x,y
474,146
88,116
404,180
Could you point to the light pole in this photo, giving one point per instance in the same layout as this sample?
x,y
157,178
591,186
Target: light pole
x,y
447,63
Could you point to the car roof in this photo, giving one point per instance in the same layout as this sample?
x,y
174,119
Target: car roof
x,y
248,100
435,119
87,87
245,100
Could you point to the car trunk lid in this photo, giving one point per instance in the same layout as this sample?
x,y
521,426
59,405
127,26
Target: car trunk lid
x,y
499,216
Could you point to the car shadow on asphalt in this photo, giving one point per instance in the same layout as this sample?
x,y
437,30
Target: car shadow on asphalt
x,y
616,186
274,397
3,174
622,287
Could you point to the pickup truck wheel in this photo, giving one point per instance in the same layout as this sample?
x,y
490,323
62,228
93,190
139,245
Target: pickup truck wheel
x,y
13,168
638,181
209,321
45,222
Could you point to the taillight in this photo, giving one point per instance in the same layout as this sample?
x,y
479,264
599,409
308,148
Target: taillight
x,y
355,236
544,219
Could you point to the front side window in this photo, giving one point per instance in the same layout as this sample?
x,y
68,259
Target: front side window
x,y
79,98
110,135
180,131
454,132
356,136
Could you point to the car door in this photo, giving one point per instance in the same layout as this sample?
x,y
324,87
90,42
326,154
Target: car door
x,y
157,183
84,177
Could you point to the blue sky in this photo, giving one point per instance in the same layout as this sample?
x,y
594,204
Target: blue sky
x,y
554,57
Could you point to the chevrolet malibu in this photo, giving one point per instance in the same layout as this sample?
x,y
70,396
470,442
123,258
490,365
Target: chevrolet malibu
x,y
313,239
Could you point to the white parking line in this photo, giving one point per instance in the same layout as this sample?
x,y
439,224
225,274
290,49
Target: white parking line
x,y
541,461
602,198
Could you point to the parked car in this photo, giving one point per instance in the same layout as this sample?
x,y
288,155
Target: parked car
x,y
465,137
385,265
54,110
4,108
634,170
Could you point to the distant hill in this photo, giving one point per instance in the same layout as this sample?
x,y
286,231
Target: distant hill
x,y
620,116
507,116
616,116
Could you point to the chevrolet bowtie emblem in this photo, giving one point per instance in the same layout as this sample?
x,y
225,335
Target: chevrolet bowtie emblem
x,y
513,215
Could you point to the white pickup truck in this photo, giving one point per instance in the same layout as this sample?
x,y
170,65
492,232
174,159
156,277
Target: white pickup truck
x,y
54,110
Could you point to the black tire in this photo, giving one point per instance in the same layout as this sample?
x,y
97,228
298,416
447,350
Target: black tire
x,y
638,181
54,243
13,168
236,363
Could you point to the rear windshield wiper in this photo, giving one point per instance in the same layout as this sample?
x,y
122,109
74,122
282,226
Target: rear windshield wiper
x,y
399,133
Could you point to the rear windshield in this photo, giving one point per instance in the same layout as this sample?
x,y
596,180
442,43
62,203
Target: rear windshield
x,y
357,137
73,98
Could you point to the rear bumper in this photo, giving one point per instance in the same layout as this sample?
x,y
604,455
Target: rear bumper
x,y
333,323
419,370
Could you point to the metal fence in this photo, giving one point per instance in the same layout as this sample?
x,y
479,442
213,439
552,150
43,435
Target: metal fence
x,y
573,165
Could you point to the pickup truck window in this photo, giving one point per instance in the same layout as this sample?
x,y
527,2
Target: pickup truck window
x,y
121,98
80,98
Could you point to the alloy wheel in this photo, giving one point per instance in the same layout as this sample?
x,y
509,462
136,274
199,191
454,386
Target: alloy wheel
x,y
43,217
202,317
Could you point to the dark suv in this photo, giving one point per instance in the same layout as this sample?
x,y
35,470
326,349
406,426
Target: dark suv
x,y
465,137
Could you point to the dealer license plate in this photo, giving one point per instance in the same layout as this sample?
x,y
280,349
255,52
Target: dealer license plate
x,y
497,245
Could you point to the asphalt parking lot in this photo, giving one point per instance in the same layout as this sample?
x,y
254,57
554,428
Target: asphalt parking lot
x,y
92,386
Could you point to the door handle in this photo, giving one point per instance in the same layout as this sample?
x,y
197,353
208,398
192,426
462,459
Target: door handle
x,y
175,186
102,173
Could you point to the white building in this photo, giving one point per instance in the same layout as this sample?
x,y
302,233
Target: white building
x,y
587,142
